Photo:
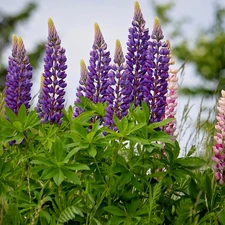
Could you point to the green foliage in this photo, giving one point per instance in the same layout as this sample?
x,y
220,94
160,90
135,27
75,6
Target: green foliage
x,y
81,172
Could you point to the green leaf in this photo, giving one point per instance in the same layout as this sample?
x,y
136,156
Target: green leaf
x,y
22,114
18,125
222,217
11,115
92,151
117,123
162,123
114,211
58,177
136,127
77,166
58,149
160,136
192,150
191,162
71,175
42,161
90,136
136,139
80,130
69,213
124,124
49,173
32,120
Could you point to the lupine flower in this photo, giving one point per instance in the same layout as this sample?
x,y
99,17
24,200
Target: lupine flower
x,y
81,90
97,81
218,148
38,107
157,69
114,95
18,79
171,97
135,59
53,92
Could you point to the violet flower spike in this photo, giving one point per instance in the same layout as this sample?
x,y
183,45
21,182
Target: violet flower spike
x,y
18,78
98,69
81,88
52,99
114,96
137,46
157,65
218,148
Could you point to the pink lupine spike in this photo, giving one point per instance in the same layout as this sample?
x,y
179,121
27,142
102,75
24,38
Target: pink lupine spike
x,y
218,148
171,97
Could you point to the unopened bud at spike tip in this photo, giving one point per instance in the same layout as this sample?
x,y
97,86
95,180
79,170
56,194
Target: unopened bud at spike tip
x,y
14,45
50,23
118,57
157,30
83,72
14,39
20,42
41,81
137,13
223,93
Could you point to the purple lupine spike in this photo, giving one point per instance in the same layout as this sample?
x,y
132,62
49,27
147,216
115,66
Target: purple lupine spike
x,y
52,99
171,97
114,96
218,148
82,86
97,81
18,79
137,46
157,72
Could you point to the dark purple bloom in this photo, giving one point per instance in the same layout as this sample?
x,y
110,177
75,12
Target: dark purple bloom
x,y
51,101
157,66
81,90
18,79
114,94
137,46
98,69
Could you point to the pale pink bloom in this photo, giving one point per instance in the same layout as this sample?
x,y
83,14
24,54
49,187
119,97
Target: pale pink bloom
x,y
218,148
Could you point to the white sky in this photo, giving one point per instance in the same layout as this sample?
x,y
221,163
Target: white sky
x,y
74,21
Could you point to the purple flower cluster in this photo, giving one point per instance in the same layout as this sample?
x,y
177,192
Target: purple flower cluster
x,y
114,90
97,80
18,79
142,78
218,148
51,99
137,45
81,90
157,72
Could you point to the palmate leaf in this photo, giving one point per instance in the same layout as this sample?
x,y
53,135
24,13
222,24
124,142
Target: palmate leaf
x,y
154,197
58,176
183,211
69,213
115,211
191,162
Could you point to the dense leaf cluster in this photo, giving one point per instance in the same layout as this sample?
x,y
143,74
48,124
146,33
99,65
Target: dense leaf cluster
x,y
81,172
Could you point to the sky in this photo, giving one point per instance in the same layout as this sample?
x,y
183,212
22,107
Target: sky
x,y
74,21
